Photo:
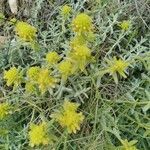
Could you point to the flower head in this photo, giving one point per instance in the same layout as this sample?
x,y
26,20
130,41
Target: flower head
x,y
117,66
82,23
65,10
13,21
81,52
25,31
68,117
4,110
38,135
78,40
52,58
45,80
81,55
33,73
66,69
13,76
128,145
69,106
125,25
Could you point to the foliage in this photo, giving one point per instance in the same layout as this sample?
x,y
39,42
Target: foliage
x,y
96,55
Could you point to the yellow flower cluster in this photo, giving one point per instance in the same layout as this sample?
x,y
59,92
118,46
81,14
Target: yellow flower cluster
x,y
77,60
52,58
13,77
45,80
4,110
82,23
83,27
80,55
117,66
68,117
77,41
128,145
66,69
41,78
125,25
65,10
25,31
37,77
33,73
38,135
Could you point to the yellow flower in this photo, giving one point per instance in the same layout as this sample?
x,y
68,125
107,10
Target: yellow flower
x,y
13,21
81,55
69,106
77,41
125,25
117,66
25,31
13,76
66,69
65,10
4,110
69,117
52,58
33,73
128,145
45,81
38,135
30,87
82,23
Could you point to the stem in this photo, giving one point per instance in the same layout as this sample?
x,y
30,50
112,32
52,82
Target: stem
x,y
65,142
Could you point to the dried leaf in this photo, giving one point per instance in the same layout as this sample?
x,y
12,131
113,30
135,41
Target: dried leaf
x,y
2,40
13,6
